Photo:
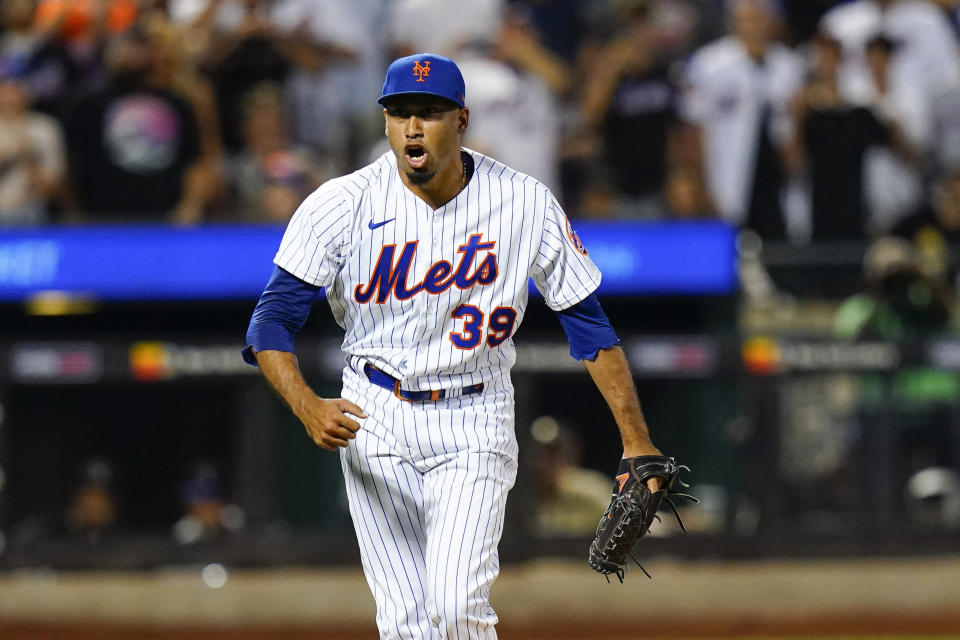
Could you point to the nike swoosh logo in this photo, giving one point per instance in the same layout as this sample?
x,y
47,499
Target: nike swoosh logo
x,y
376,225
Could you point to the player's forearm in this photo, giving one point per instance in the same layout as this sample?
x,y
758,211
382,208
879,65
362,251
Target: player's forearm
x,y
611,374
282,371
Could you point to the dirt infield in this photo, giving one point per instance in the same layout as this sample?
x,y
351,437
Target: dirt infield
x,y
873,628
560,600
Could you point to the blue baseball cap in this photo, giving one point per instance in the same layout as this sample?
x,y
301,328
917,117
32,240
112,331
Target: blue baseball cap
x,y
424,74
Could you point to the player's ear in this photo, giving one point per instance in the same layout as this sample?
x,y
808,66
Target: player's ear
x,y
463,119
385,131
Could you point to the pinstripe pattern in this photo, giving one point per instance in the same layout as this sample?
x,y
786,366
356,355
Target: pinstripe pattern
x,y
427,486
433,298
328,243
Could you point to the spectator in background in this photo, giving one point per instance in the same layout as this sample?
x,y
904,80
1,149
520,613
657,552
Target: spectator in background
x,y
92,511
559,24
246,44
518,45
327,109
951,8
79,21
269,177
47,69
84,26
684,194
597,197
207,516
927,44
175,69
832,138
441,26
737,102
567,496
32,160
894,174
630,101
683,197
133,145
683,25
515,84
925,62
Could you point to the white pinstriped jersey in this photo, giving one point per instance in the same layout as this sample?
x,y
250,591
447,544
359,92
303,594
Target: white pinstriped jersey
x,y
433,297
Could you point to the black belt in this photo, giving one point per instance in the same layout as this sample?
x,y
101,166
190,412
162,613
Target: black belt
x,y
385,380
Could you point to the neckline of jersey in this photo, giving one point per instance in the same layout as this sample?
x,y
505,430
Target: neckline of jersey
x,y
469,164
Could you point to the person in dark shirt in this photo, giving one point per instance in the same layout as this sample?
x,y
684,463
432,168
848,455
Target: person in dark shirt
x,y
48,71
833,137
630,101
256,50
132,145
560,23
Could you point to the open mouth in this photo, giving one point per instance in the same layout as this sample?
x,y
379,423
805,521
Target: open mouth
x,y
416,156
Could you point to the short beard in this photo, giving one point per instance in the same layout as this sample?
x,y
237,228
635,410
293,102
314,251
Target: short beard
x,y
421,177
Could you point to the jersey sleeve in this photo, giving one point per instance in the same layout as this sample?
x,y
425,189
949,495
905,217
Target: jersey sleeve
x,y
562,269
314,245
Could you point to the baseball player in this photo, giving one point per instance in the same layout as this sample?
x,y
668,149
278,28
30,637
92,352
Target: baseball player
x,y
425,256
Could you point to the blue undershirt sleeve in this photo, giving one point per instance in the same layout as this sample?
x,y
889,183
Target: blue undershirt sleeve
x,y
280,313
588,329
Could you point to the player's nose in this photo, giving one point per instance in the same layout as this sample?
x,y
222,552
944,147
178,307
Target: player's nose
x,y
413,127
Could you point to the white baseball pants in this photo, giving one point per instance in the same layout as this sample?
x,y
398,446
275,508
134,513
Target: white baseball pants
x,y
427,486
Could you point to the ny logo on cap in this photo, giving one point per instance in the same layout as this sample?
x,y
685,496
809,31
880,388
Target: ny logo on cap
x,y
421,70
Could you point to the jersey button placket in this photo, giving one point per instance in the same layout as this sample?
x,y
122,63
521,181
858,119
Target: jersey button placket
x,y
433,315
437,239
420,301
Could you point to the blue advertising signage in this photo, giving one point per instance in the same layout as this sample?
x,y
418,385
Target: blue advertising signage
x,y
131,263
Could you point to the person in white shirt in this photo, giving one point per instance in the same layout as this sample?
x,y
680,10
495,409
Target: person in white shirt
x,y
737,97
32,157
927,54
926,62
894,175
441,26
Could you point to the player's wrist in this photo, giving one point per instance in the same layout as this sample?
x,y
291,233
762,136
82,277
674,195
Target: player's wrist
x,y
640,449
304,402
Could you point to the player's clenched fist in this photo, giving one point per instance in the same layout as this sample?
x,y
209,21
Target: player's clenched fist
x,y
328,421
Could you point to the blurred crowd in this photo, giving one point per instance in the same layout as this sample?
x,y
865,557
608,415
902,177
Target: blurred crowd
x,y
799,119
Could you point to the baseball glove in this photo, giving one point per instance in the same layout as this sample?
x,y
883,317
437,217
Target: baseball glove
x,y
632,510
